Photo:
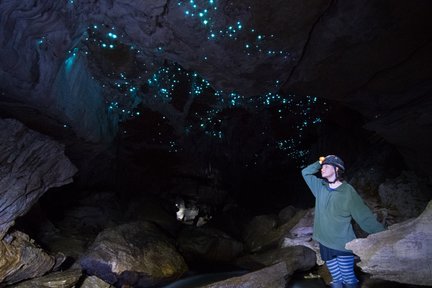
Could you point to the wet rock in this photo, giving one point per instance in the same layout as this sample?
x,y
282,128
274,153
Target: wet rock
x,y
21,259
136,254
402,253
270,277
31,163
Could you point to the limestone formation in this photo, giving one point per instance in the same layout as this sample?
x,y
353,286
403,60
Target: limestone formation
x,y
30,163
402,253
21,259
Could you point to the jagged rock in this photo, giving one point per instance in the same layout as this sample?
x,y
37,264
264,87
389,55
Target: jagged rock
x,y
402,253
136,254
94,282
31,163
21,259
208,246
270,277
64,279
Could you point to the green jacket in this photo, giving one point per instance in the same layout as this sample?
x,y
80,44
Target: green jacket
x,y
334,210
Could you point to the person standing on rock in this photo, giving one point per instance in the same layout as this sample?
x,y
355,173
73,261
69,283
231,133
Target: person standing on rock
x,y
336,204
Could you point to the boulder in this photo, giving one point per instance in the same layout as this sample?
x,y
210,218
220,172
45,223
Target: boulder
x,y
401,254
95,282
136,254
21,259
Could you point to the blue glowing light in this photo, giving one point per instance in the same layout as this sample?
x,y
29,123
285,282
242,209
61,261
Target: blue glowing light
x,y
112,35
170,82
71,59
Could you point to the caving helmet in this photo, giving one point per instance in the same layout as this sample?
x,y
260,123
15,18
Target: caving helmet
x,y
334,161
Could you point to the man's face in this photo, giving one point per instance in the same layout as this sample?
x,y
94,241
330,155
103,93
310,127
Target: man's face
x,y
327,171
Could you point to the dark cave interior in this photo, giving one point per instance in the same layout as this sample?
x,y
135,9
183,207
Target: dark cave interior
x,y
218,104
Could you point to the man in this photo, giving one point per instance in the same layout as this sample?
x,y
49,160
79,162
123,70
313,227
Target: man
x,y
336,204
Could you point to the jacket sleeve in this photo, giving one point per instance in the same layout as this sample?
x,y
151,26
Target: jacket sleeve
x,y
363,215
311,180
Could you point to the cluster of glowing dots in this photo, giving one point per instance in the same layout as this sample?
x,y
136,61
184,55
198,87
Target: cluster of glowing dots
x,y
163,83
207,14
106,37
162,89
108,42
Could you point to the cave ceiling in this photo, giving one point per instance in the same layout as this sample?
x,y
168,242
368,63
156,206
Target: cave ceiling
x,y
83,67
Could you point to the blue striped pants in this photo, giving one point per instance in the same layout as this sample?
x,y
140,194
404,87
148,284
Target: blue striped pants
x,y
341,269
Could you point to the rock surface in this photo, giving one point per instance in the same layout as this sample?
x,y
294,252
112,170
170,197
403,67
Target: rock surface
x,y
94,282
64,279
136,254
296,258
402,253
21,259
30,163
407,194
270,277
